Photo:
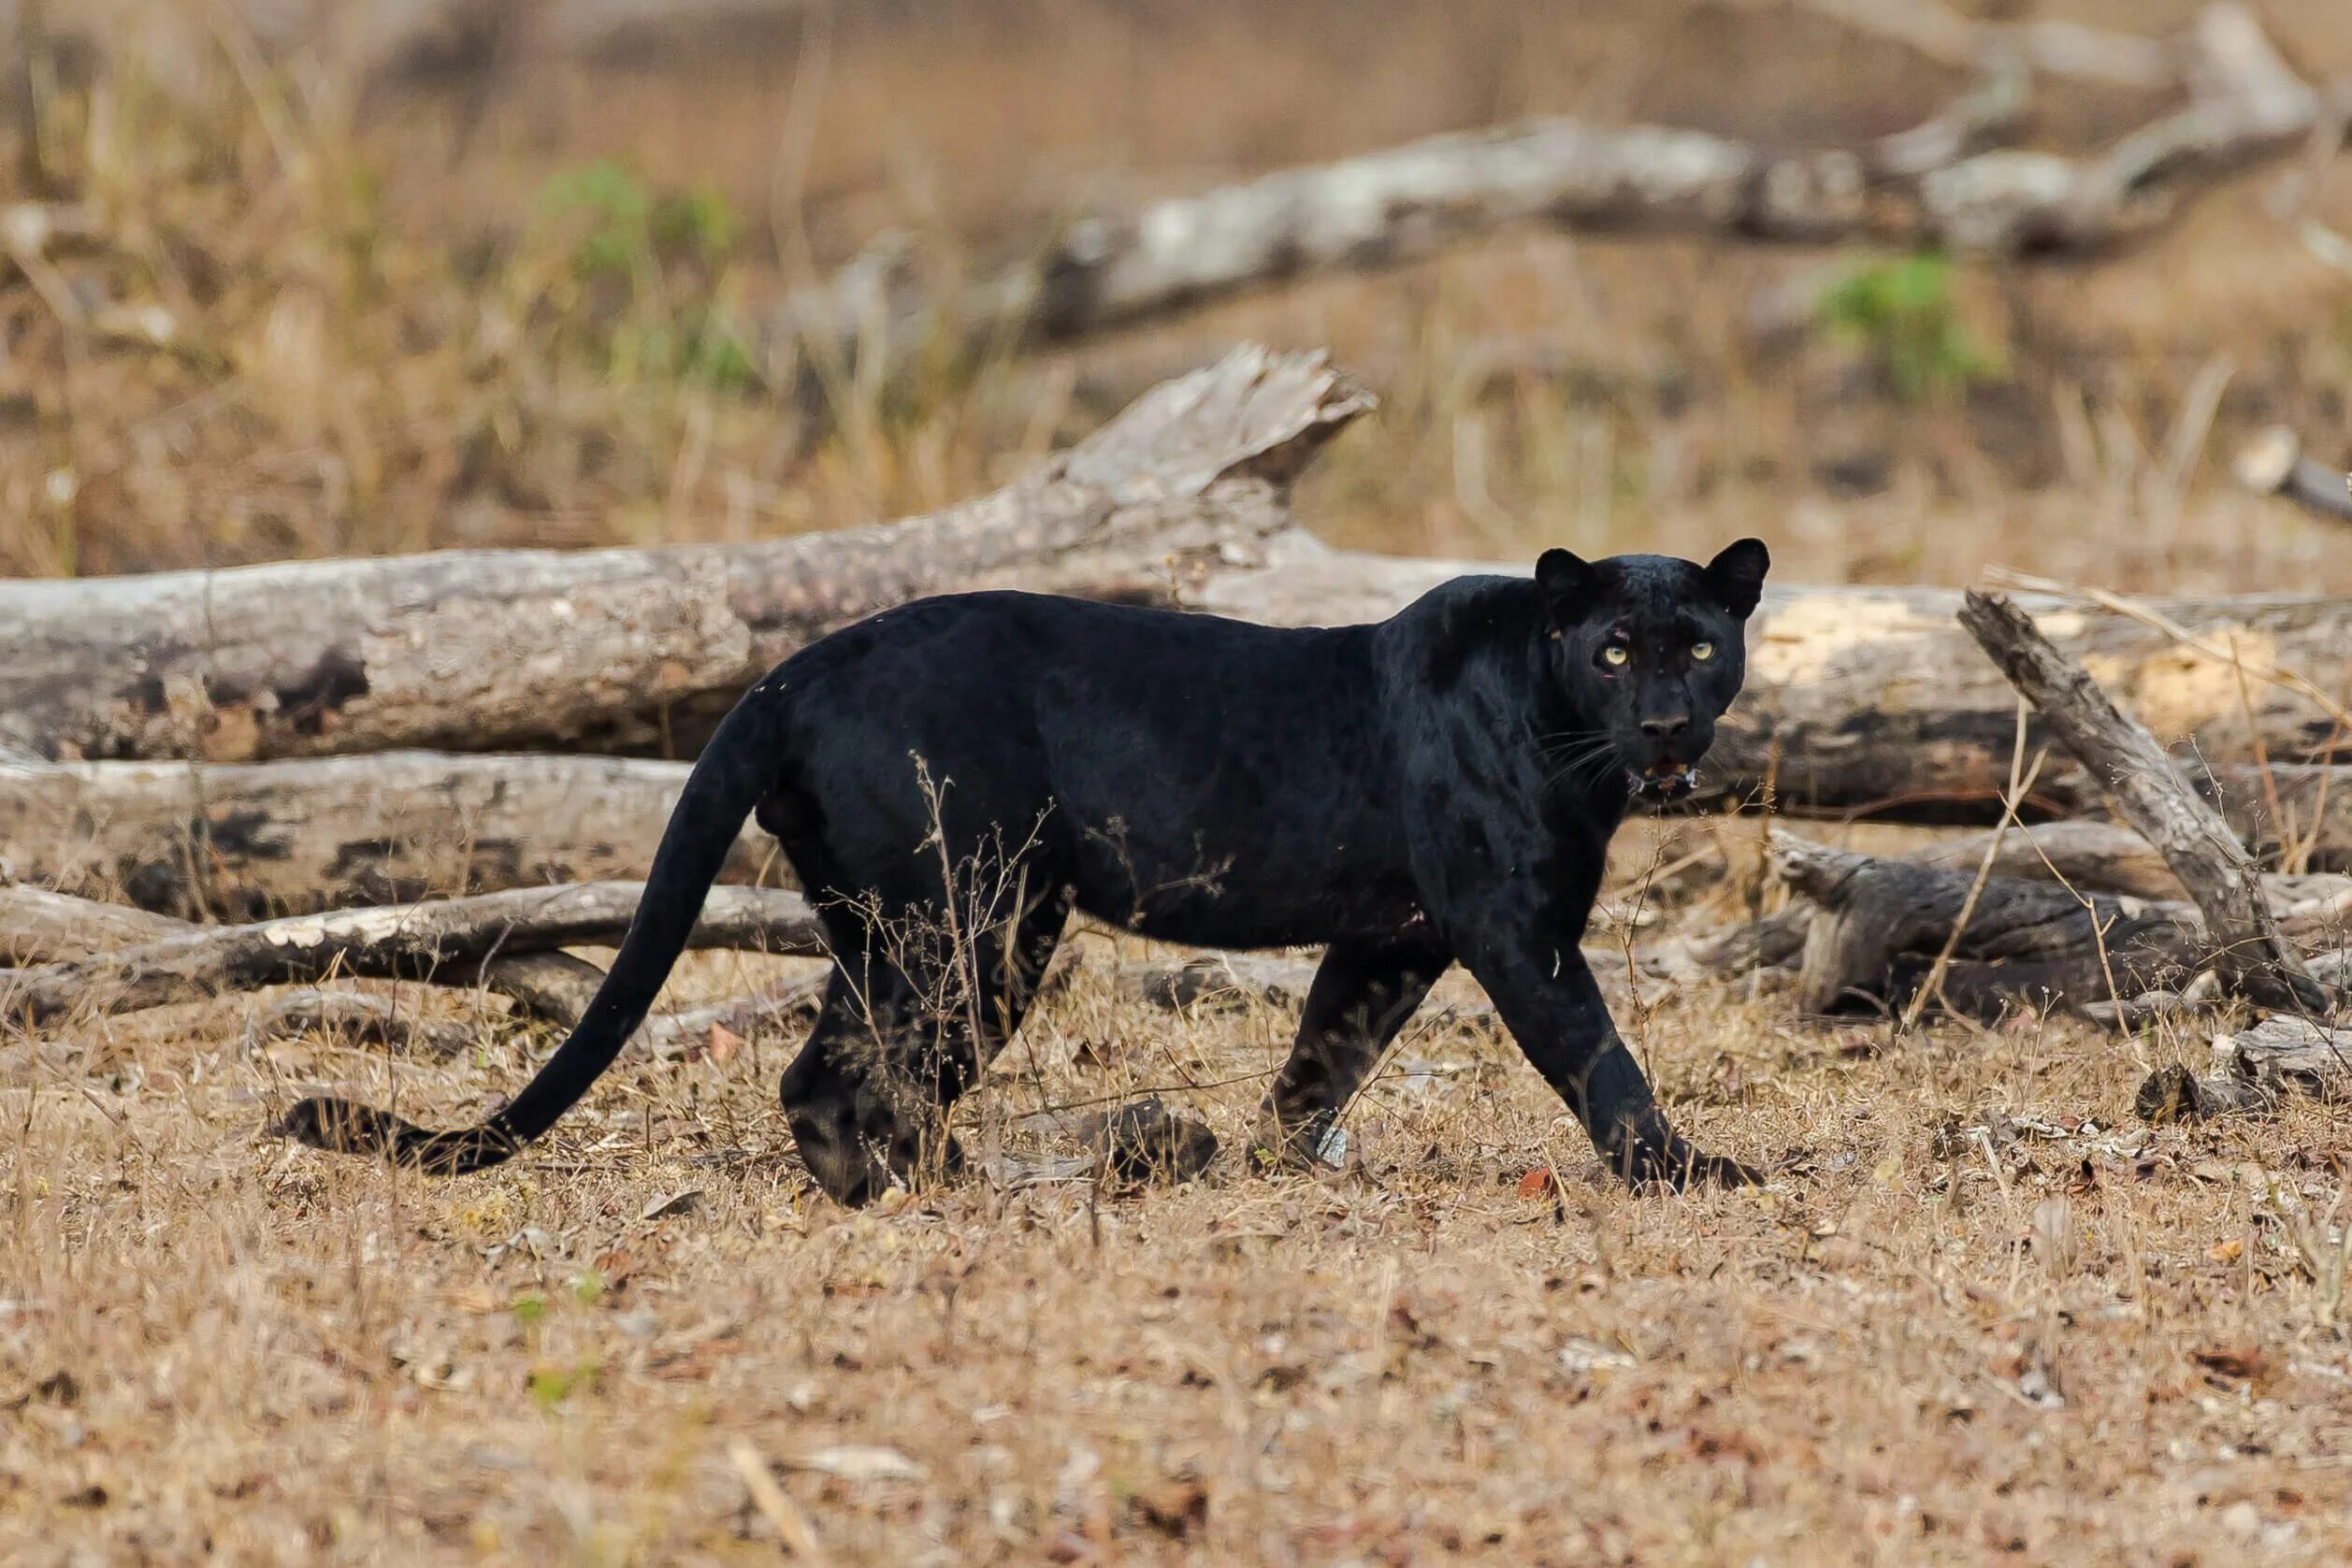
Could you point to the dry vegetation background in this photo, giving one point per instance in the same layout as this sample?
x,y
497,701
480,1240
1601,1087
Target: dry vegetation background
x,y
1981,1316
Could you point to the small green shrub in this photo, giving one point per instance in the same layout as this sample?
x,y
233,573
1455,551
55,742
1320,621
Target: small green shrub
x,y
643,275
1902,313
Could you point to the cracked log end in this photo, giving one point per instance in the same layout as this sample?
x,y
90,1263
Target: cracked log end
x,y
1255,413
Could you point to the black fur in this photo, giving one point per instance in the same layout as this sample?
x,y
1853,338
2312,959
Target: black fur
x,y
951,777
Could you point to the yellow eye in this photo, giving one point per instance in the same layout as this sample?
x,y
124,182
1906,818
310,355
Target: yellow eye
x,y
1702,651
1616,657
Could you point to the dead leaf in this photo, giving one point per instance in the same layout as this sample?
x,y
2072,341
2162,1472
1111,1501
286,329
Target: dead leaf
x,y
679,1203
725,1044
860,1461
2227,1252
1583,1355
1176,1508
1536,1183
1707,1445
2245,1363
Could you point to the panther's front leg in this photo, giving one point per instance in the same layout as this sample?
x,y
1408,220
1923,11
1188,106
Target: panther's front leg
x,y
1362,994
1549,1001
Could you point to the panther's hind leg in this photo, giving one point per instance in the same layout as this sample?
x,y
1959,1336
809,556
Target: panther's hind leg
x,y
842,1127
894,1046
1362,994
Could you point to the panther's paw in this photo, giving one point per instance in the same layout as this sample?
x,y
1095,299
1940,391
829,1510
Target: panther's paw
x,y
1276,1145
1678,1167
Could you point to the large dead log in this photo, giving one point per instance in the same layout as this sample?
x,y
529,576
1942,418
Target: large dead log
x,y
2253,957
1864,699
414,941
480,650
1857,700
247,842
1877,925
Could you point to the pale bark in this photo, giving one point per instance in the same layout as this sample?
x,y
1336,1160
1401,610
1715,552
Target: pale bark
x,y
251,840
481,650
40,926
361,1017
2252,955
444,939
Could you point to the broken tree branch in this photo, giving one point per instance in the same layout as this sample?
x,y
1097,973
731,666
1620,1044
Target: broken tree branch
x,y
414,941
481,650
40,926
2273,464
2252,955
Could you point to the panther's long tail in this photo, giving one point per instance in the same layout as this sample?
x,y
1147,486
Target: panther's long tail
x,y
740,764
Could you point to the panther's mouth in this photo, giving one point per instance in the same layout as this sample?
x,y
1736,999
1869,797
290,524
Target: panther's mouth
x,y
1664,780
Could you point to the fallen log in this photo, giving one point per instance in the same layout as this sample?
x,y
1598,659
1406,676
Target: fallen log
x,y
2087,856
1384,209
2252,955
1875,700
253,841
627,649
40,926
1876,926
413,941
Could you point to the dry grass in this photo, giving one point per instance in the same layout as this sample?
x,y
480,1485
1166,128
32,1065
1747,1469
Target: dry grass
x,y
2061,1339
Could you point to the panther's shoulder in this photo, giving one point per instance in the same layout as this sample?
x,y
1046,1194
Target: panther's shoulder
x,y
1446,629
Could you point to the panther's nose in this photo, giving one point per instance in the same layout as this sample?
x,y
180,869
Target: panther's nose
x,y
1666,729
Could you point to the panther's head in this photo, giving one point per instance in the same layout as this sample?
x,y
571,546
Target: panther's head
x,y
1648,651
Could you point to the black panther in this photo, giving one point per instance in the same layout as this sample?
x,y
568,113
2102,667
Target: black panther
x,y
1436,789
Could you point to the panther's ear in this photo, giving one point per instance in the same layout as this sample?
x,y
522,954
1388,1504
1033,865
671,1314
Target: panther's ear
x,y
1736,577
1568,581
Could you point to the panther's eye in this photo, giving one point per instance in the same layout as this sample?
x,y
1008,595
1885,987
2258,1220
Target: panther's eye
x,y
1702,651
1616,655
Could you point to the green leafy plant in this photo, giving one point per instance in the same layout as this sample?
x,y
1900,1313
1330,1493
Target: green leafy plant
x,y
642,281
1903,314
550,1386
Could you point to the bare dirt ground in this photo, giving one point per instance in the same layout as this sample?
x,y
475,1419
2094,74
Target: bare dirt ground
x,y
1980,1315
